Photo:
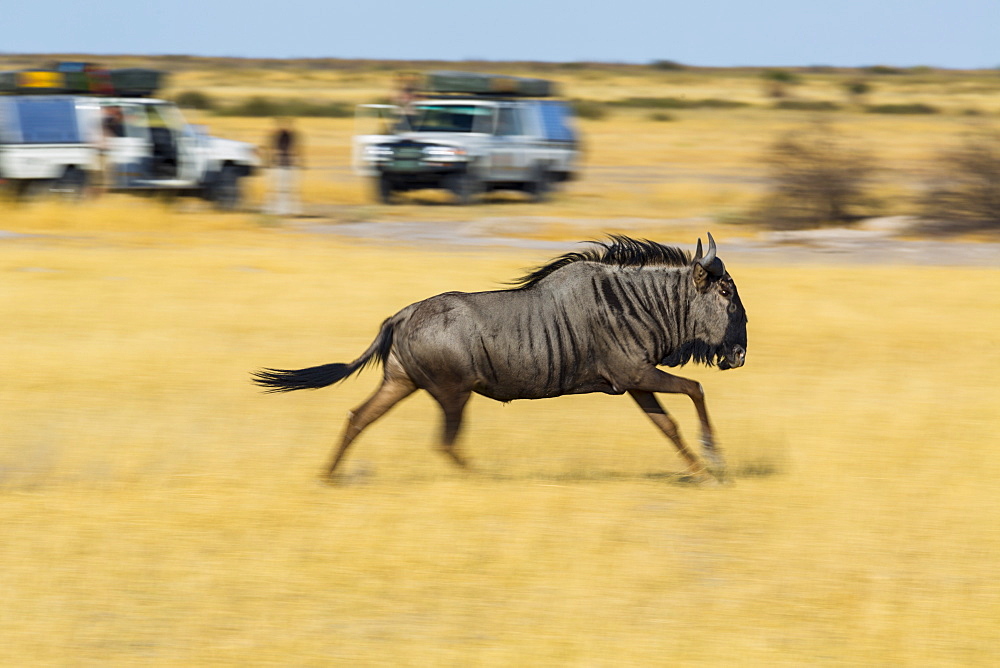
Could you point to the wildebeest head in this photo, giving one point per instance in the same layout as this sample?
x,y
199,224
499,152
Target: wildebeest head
x,y
719,316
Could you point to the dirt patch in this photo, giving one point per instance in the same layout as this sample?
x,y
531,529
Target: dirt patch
x,y
880,240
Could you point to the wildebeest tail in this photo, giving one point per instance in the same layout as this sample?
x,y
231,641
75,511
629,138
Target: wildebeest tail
x,y
313,378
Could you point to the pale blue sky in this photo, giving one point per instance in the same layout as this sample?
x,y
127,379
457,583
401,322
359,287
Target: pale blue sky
x,y
948,33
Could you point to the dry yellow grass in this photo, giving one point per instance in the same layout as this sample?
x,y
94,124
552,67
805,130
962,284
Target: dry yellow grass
x,y
158,510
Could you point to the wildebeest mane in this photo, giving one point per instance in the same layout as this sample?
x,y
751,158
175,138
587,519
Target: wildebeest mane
x,y
618,250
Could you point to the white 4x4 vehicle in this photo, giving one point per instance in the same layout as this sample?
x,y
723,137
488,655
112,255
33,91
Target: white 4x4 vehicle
x,y
469,133
128,144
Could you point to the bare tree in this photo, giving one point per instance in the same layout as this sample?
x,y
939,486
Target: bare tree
x,y
965,187
816,177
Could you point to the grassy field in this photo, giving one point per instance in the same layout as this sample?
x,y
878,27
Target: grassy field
x,y
158,510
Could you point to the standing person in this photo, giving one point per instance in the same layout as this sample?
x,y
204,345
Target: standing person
x,y
284,158
112,127
407,86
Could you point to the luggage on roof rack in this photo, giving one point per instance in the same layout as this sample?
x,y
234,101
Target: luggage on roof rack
x,y
136,81
86,78
498,85
82,79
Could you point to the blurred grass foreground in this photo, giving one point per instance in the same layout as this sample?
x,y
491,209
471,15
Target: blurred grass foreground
x,y
158,510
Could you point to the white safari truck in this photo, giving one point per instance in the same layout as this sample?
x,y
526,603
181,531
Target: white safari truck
x,y
118,138
468,133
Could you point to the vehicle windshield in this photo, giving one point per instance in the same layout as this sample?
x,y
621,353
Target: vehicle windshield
x,y
449,118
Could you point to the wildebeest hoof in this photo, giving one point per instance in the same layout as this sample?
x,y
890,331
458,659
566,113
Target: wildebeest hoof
x,y
720,474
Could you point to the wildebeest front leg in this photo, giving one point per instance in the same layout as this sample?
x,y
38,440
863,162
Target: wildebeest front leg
x,y
393,390
651,407
655,380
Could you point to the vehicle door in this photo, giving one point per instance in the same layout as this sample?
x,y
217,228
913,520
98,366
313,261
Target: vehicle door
x,y
510,155
174,143
125,143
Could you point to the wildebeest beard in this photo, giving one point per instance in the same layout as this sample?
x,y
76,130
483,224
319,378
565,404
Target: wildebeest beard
x,y
699,351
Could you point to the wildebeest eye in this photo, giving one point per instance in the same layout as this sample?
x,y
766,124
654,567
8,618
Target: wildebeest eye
x,y
725,291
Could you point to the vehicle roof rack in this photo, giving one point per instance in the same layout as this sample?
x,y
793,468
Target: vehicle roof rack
x,y
80,78
486,85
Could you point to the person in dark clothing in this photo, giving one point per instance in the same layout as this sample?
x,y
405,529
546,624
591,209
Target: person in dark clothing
x,y
285,159
113,123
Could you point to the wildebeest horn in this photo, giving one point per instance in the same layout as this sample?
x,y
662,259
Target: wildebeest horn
x,y
707,260
710,262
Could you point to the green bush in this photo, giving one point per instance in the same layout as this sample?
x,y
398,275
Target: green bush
x,y
778,82
781,76
320,109
254,107
667,65
807,105
265,107
590,110
908,108
883,69
194,99
677,103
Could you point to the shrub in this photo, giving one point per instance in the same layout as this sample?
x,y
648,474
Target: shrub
x,y
966,184
319,109
883,69
857,90
254,106
590,110
908,108
677,103
264,107
807,105
195,99
777,82
667,65
661,117
816,178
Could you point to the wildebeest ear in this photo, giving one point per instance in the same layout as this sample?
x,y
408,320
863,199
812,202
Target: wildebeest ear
x,y
698,252
700,277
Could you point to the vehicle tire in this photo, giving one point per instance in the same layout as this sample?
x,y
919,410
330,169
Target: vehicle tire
x,y
227,192
24,189
540,186
71,186
384,190
465,186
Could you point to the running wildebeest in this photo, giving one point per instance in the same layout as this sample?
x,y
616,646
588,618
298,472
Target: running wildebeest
x,y
597,320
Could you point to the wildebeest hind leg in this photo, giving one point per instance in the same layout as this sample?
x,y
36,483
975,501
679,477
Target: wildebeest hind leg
x,y
453,405
393,389
650,405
